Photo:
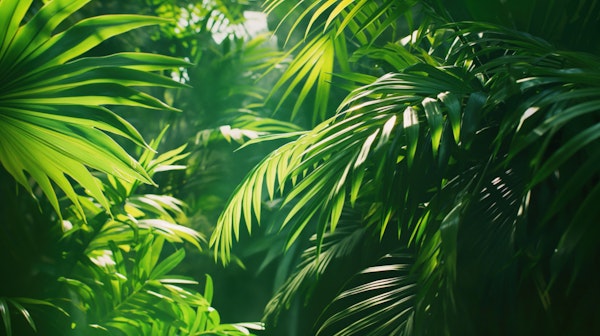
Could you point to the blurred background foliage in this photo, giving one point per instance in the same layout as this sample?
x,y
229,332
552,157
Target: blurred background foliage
x,y
387,148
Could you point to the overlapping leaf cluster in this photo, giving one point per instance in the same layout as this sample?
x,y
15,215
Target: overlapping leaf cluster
x,y
54,122
474,154
110,267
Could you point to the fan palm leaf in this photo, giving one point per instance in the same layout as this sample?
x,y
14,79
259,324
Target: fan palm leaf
x,y
52,116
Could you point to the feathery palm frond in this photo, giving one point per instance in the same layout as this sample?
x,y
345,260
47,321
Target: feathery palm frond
x,y
331,161
121,280
378,301
336,245
135,215
471,131
324,48
120,297
551,118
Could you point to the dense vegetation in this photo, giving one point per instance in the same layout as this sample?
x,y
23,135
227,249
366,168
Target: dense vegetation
x,y
372,167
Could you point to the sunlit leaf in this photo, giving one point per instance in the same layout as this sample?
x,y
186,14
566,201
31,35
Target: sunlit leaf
x,y
51,115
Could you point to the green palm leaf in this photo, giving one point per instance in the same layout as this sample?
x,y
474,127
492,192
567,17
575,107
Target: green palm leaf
x,y
334,246
131,291
454,149
379,301
329,161
127,297
324,46
51,116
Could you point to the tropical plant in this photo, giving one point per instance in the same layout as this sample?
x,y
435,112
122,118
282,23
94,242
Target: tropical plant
x,y
222,109
466,154
53,119
104,266
121,282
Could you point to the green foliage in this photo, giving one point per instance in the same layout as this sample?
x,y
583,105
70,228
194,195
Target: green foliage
x,y
434,170
19,304
53,123
109,265
116,271
122,282
451,160
333,31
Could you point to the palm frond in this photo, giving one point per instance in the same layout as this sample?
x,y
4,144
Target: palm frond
x,y
329,161
455,151
553,120
315,261
120,296
138,215
326,47
115,295
51,117
377,301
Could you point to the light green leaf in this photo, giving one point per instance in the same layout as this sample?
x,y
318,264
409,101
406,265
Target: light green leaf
x,y
11,14
37,30
82,37
208,289
166,265
411,128
454,112
435,121
4,310
51,116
